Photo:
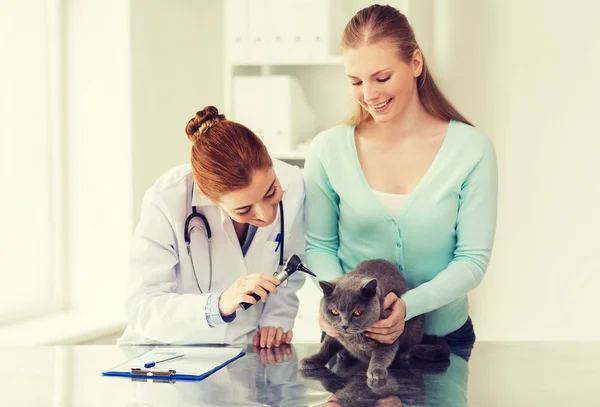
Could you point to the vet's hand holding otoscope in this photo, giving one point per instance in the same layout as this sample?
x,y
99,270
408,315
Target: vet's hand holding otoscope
x,y
248,290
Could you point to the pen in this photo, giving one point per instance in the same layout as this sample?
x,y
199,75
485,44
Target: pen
x,y
152,364
278,240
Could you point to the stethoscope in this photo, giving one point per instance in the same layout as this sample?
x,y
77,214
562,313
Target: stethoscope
x,y
187,238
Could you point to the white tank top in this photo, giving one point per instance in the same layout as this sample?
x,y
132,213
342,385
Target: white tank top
x,y
391,202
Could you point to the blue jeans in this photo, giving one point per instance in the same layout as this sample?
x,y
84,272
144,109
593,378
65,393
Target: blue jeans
x,y
461,341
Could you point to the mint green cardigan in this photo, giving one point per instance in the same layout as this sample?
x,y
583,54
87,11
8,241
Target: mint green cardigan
x,y
442,238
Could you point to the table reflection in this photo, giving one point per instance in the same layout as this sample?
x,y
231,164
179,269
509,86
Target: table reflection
x,y
410,383
261,378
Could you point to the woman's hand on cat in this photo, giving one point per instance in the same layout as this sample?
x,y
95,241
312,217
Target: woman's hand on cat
x,y
327,327
389,329
270,336
332,401
391,401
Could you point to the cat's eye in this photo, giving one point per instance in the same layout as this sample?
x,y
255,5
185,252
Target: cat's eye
x,y
357,313
335,312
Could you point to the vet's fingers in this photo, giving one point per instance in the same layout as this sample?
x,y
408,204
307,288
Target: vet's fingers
x,y
264,336
246,298
271,336
288,337
256,339
269,286
264,332
258,290
278,337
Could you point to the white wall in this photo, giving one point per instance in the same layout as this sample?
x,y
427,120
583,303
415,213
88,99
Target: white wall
x,y
526,72
98,128
29,73
92,90
177,69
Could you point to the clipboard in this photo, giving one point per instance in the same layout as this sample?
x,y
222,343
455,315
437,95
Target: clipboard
x,y
185,363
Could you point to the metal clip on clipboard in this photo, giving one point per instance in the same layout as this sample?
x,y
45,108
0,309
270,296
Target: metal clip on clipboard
x,y
152,372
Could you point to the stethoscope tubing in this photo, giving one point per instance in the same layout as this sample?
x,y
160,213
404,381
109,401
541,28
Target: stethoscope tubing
x,y
188,239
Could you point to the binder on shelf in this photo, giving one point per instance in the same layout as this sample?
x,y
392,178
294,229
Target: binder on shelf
x,y
258,30
168,363
275,108
323,27
249,97
281,38
283,31
292,121
236,30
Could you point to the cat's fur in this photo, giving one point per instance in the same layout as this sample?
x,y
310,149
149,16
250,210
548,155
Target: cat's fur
x,y
364,289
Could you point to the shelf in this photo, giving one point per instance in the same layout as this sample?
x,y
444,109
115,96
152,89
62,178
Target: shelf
x,y
335,60
289,155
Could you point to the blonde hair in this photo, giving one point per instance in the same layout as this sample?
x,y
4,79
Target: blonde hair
x,y
378,23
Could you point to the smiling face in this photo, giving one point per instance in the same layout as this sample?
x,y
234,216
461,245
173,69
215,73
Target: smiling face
x,y
257,203
381,82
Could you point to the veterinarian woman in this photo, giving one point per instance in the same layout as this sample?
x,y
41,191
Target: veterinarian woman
x,y
210,235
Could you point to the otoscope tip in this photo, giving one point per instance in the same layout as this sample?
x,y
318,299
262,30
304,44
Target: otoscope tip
x,y
307,271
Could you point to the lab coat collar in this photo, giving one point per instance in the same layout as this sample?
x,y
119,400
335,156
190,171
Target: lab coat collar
x,y
199,199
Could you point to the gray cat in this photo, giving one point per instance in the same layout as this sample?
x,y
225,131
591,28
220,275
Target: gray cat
x,y
352,303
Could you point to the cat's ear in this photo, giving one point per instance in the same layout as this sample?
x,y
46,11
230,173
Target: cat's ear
x,y
369,289
327,287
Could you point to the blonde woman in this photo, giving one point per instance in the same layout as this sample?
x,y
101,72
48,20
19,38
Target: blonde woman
x,y
407,179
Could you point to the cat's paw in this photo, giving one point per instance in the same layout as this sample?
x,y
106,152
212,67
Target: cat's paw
x,y
311,363
377,373
377,378
344,354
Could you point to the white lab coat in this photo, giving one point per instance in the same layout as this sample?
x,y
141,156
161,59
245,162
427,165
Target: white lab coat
x,y
164,304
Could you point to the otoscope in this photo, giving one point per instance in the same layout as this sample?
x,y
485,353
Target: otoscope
x,y
291,266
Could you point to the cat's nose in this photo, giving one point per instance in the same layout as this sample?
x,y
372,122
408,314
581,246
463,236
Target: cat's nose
x,y
345,327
